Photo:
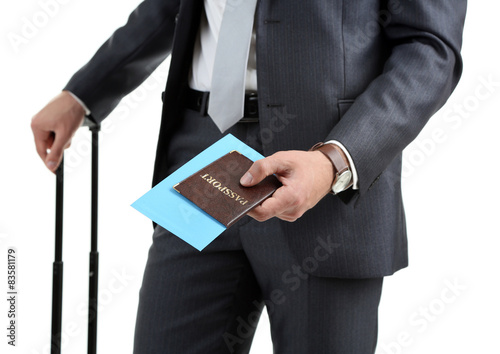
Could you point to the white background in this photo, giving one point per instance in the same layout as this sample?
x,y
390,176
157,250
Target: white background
x,y
450,189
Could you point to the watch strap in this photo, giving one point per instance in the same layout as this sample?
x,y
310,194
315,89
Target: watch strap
x,y
339,164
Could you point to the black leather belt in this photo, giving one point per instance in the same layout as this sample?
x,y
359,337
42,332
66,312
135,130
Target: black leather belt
x,y
198,101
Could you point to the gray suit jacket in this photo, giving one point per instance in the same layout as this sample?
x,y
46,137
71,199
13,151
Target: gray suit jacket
x,y
366,73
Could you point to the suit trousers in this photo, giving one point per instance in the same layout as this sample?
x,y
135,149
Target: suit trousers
x,y
209,302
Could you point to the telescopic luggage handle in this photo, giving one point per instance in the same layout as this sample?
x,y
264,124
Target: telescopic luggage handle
x,y
57,276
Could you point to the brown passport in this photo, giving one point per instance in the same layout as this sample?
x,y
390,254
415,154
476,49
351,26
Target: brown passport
x,y
217,190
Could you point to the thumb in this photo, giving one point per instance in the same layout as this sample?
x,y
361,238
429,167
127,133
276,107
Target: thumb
x,y
259,170
54,157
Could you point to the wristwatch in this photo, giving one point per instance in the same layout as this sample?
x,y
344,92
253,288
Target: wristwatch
x,y
342,178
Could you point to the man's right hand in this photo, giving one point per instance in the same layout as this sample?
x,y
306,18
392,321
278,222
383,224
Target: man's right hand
x,y
54,126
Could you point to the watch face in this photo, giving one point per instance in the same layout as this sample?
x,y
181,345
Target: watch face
x,y
342,182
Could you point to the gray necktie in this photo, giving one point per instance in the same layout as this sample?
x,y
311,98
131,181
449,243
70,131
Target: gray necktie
x,y
227,94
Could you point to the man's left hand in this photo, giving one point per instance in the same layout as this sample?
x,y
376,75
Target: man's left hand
x,y
306,177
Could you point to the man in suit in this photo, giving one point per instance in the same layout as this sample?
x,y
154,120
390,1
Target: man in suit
x,y
364,77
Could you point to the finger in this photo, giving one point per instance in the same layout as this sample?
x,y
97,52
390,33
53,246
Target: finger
x,y
280,205
43,141
260,169
261,215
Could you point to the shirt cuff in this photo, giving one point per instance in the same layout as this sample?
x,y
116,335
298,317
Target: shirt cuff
x,y
84,106
351,162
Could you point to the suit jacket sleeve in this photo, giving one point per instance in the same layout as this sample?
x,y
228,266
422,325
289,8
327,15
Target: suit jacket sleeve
x,y
422,70
127,58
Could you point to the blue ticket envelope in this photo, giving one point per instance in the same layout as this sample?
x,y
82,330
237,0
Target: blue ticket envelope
x,y
177,214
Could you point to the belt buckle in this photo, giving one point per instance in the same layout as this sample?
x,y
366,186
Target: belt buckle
x,y
251,110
